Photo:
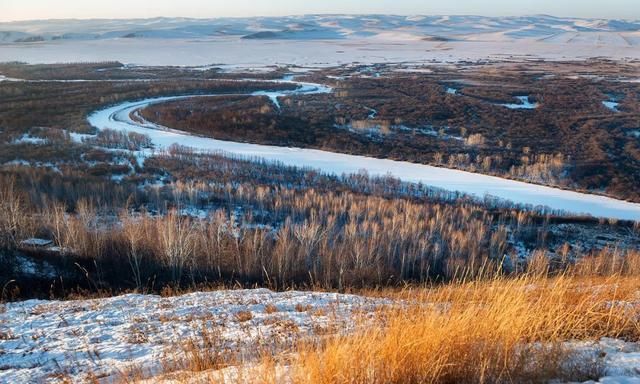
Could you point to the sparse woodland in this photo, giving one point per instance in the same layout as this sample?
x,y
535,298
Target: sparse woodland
x,y
181,219
571,140
216,219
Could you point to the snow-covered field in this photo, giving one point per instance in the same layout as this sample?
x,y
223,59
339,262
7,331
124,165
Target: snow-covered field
x,y
118,118
107,337
233,53
315,40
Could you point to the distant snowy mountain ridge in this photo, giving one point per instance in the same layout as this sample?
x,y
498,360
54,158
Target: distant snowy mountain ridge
x,y
319,27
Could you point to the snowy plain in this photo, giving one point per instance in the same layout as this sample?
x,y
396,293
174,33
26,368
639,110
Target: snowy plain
x,y
317,40
233,53
523,103
119,118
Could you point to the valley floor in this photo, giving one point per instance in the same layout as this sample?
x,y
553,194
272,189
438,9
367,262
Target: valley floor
x,y
224,335
119,118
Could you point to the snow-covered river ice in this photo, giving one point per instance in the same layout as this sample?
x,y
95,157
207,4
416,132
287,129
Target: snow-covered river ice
x,y
118,117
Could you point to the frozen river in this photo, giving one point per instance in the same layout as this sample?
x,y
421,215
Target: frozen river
x,y
118,117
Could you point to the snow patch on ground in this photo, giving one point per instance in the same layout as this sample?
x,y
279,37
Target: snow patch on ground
x,y
620,359
106,336
412,70
373,113
26,139
30,267
35,242
612,105
524,103
37,164
18,162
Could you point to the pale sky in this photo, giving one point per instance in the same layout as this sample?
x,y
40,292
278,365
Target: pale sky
x,y
11,10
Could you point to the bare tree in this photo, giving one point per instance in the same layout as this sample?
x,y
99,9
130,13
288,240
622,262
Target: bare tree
x,y
12,218
176,242
134,233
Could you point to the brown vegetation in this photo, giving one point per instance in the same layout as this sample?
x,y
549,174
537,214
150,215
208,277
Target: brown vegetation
x,y
282,227
528,329
479,332
571,140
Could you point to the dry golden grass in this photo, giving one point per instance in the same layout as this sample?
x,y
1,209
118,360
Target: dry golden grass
x,y
495,331
192,358
243,316
270,308
491,331
303,307
206,353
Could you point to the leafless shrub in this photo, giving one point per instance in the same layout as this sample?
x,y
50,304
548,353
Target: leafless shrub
x,y
475,140
270,308
303,307
243,316
135,232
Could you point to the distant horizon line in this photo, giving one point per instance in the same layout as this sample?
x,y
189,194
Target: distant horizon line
x,y
313,14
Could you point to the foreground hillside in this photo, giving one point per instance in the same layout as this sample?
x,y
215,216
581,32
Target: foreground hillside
x,y
532,329
48,340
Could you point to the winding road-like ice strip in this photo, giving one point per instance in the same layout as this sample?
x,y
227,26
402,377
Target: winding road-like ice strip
x,y
119,118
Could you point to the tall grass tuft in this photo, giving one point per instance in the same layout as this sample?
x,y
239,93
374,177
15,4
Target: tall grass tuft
x,y
504,330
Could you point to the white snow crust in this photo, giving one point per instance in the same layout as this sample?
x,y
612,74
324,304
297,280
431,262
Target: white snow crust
x,y
107,337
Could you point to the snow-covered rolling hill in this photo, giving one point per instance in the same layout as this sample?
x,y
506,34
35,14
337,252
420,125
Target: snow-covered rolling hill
x,y
328,27
318,41
106,339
